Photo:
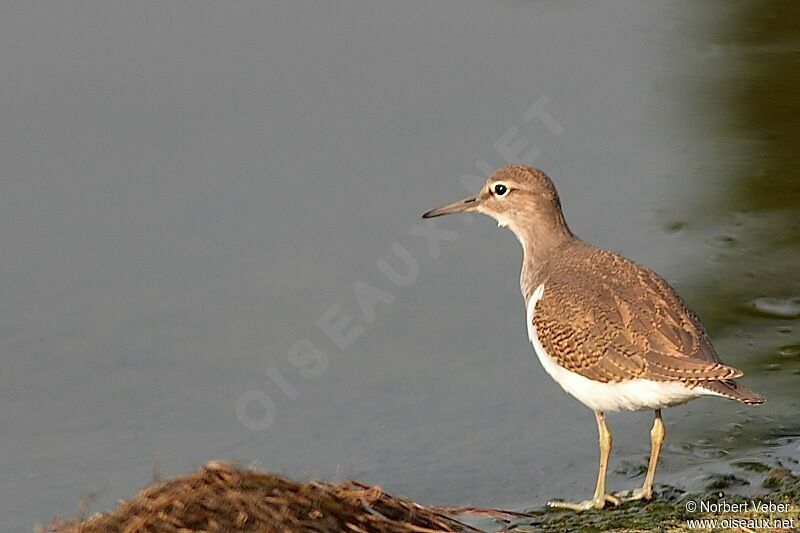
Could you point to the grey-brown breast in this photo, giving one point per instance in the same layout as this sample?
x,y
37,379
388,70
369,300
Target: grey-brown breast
x,y
612,320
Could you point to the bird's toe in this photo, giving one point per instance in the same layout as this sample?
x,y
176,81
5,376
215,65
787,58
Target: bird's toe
x,y
634,495
598,502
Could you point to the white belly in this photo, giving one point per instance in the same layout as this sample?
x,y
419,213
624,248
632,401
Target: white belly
x,y
631,395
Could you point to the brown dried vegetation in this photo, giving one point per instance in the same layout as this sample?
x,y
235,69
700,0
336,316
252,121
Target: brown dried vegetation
x,y
223,498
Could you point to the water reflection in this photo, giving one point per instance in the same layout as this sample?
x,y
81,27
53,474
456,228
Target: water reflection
x,y
750,289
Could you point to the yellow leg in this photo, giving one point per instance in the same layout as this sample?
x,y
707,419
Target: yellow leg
x,y
600,497
656,440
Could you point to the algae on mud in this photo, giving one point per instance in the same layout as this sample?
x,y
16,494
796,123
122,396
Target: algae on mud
x,y
676,511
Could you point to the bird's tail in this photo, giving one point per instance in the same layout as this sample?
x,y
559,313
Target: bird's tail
x,y
733,390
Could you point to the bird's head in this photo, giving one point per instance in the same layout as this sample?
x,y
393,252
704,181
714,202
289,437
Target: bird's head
x,y
519,197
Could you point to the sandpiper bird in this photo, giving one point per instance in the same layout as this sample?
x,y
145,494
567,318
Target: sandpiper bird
x,y
611,332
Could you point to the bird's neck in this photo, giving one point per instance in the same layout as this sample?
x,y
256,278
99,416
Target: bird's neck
x,y
541,236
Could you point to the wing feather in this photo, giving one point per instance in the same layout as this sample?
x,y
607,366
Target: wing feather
x,y
612,320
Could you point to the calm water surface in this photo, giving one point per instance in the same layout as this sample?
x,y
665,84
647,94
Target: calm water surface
x,y
187,189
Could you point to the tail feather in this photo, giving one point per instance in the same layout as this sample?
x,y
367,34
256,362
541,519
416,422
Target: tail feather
x,y
733,390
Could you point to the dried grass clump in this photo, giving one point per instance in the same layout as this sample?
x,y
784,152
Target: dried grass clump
x,y
223,498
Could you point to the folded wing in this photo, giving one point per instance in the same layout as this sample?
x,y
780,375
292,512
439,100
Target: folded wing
x,y
628,325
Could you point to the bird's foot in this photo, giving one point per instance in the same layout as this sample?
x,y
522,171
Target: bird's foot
x,y
641,493
598,502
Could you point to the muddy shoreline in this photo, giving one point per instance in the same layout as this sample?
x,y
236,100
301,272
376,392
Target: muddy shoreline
x,y
224,498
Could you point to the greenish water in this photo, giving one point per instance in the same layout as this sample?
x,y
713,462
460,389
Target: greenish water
x,y
186,192
749,294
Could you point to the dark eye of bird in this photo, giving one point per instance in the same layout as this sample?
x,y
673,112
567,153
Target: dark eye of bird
x,y
500,189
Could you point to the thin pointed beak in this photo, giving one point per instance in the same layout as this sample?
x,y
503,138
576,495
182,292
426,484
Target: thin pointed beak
x,y
461,206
